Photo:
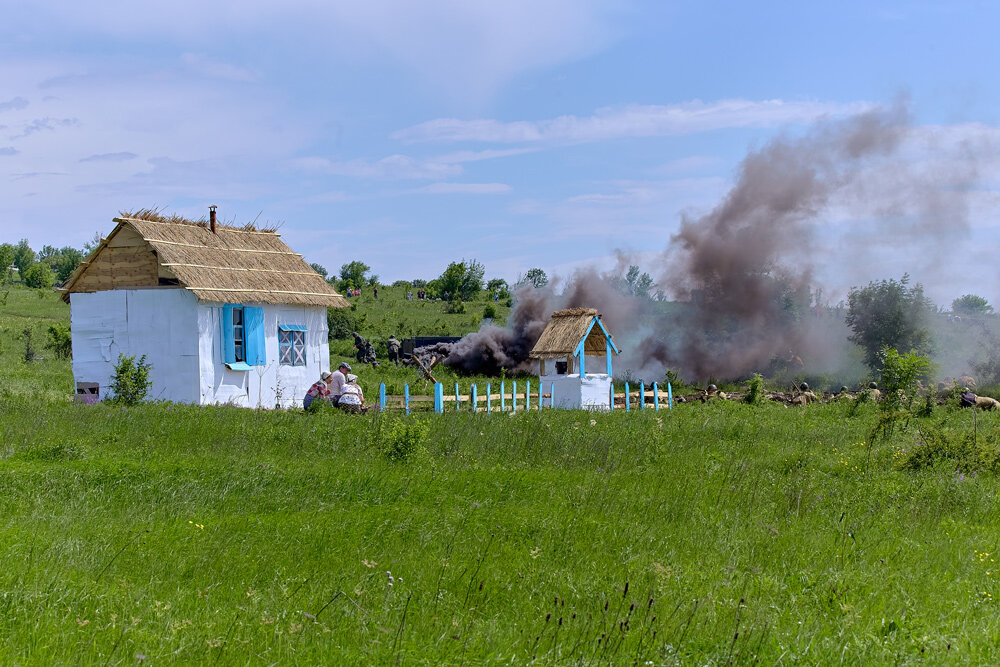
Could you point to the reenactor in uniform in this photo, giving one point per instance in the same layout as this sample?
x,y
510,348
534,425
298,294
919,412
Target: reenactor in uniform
x,y
844,394
804,396
392,345
364,351
873,390
969,399
713,392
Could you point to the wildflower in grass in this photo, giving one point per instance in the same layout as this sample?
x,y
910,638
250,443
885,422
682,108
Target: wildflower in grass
x,y
368,563
81,622
593,422
389,575
535,552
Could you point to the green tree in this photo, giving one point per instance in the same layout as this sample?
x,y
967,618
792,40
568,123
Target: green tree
x,y
24,257
462,280
891,314
498,285
130,382
353,275
6,259
63,261
534,277
60,340
970,304
320,269
634,282
39,276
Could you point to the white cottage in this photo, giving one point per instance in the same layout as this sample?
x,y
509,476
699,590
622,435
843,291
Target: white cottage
x,y
574,359
223,314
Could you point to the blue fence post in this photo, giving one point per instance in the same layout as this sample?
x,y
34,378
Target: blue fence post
x,y
503,396
381,395
670,396
642,395
527,395
438,397
628,399
552,395
612,406
475,399
406,397
489,396
541,390
513,395
457,406
656,398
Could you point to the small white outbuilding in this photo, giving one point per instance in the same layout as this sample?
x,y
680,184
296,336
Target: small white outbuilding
x,y
223,314
570,338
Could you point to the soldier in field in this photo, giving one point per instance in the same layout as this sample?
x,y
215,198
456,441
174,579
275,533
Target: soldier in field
x,y
392,345
364,351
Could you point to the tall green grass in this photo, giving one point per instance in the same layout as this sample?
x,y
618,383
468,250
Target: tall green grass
x,y
717,533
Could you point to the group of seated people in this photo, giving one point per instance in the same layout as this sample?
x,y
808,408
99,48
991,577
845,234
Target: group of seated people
x,y
339,388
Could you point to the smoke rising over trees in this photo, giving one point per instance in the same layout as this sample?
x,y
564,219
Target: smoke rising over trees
x,y
743,274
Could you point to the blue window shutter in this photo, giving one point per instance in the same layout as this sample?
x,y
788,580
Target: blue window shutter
x,y
228,344
253,319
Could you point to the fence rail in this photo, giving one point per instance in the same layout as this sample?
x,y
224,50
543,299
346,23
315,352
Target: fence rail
x,y
512,401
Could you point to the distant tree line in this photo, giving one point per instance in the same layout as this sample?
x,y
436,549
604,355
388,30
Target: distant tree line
x,y
41,269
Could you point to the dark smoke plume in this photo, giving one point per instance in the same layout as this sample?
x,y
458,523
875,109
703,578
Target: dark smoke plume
x,y
743,273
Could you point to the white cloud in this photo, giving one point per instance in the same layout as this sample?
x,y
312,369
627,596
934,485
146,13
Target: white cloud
x,y
464,188
630,121
401,167
393,167
212,69
15,104
121,138
467,48
110,157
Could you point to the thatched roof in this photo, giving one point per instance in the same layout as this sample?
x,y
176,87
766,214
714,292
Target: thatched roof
x,y
232,264
565,331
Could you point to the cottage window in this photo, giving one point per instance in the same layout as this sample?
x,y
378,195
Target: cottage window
x,y
243,343
291,345
239,349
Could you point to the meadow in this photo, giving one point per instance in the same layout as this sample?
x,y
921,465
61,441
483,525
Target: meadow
x,y
716,533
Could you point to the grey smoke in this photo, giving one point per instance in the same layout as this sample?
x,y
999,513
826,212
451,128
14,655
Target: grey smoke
x,y
744,272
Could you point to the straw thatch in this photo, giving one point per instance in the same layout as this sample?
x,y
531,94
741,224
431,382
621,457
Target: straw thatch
x,y
565,331
234,264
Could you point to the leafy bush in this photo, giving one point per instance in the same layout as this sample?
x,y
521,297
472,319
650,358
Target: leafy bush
x,y
29,348
342,322
60,340
966,452
455,307
130,382
400,440
755,390
39,276
490,312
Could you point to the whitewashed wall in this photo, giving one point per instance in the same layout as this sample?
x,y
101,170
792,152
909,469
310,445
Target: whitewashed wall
x,y
572,392
158,323
261,386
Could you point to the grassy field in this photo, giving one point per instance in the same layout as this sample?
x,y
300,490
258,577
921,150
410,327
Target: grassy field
x,y
711,534
716,533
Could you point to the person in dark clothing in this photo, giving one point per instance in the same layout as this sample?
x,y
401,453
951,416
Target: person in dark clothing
x,y
392,345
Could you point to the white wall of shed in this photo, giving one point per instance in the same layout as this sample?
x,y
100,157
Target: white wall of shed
x,y
158,323
572,392
263,386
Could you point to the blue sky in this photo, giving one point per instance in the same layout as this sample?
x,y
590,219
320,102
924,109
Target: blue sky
x,y
525,133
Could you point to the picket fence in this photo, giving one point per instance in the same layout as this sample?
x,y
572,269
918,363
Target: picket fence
x,y
541,399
